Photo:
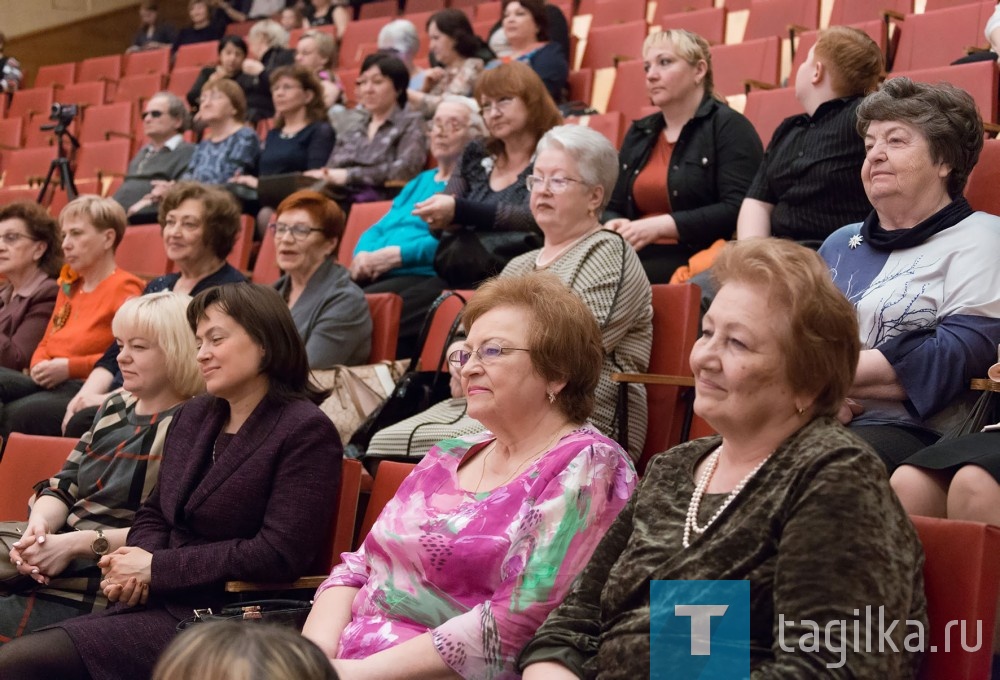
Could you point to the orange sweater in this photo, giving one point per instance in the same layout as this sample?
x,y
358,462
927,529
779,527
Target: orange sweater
x,y
87,331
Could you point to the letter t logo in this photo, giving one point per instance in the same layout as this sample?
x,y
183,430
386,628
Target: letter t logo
x,y
701,624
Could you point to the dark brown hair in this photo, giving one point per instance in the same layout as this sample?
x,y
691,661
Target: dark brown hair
x,y
221,224
315,108
536,8
41,227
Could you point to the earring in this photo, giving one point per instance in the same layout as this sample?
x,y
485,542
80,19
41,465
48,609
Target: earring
x,y
551,396
799,410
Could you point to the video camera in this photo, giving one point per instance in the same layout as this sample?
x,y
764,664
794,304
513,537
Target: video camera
x,y
63,114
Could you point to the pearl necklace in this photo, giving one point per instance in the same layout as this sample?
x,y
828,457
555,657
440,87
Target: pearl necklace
x,y
691,520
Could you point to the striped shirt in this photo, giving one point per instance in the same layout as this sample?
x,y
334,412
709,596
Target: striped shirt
x,y
114,466
811,173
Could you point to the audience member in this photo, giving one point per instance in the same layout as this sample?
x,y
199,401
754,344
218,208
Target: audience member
x,y
202,28
558,32
265,9
486,535
247,486
526,27
10,70
235,651
153,33
292,19
232,56
684,170
163,160
228,148
397,252
91,289
768,502
809,184
454,47
483,217
317,52
920,270
268,43
400,37
574,172
387,144
85,510
30,258
329,310
200,225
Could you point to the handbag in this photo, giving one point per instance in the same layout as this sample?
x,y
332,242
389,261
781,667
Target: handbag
x,y
465,257
416,391
11,581
356,391
291,613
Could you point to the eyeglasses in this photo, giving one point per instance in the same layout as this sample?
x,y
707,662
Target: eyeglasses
x,y
449,126
298,231
485,353
210,95
12,237
556,185
186,225
151,114
499,105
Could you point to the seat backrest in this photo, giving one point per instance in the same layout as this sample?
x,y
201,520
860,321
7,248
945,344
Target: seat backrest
x,y
100,68
362,216
25,164
196,55
419,6
767,108
356,34
26,103
27,460
181,80
388,477
56,74
981,191
847,12
874,28
239,256
385,310
11,133
961,573
978,79
148,61
139,88
675,328
142,252
102,158
610,124
488,11
676,6
581,85
382,9
934,5
101,123
937,38
750,59
265,267
607,45
347,514
773,17
629,93
441,323
611,12
709,23
93,93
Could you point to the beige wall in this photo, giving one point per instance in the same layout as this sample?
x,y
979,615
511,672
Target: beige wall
x,y
18,17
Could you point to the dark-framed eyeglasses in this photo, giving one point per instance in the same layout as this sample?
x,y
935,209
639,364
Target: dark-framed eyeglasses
x,y
12,237
152,114
298,231
486,353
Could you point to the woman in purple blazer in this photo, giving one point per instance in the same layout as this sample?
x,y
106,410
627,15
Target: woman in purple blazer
x,y
246,491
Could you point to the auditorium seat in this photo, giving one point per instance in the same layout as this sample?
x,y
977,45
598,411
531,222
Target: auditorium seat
x,y
56,75
611,12
357,34
765,109
780,17
611,125
93,93
28,102
607,45
182,79
196,54
27,164
675,6
107,68
628,94
756,60
938,38
978,79
981,191
147,61
709,23
362,216
105,122
581,85
384,9
28,459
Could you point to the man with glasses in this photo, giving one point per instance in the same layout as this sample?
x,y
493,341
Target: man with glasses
x,y
159,162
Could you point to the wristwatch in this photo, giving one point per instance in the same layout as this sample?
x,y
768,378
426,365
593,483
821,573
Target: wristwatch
x,y
100,546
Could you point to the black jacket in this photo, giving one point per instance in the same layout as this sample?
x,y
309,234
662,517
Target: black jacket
x,y
713,162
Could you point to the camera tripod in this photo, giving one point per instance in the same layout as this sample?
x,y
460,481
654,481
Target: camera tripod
x,y
60,163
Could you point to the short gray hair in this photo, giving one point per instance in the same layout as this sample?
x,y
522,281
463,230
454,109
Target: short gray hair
x,y
400,35
596,158
476,123
175,107
271,32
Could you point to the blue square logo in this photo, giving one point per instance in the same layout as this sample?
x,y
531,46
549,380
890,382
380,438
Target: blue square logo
x,y
699,630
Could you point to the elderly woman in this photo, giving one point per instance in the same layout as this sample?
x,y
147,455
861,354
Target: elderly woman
x,y
329,310
247,484
400,38
200,225
30,258
574,172
91,289
920,270
455,47
232,57
487,534
483,215
767,502
227,148
526,28
317,52
397,253
268,43
386,143
684,170
85,510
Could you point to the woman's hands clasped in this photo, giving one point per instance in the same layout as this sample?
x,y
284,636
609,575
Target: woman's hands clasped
x,y
127,574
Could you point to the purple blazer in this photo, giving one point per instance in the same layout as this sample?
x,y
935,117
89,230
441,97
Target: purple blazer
x,y
260,513
23,320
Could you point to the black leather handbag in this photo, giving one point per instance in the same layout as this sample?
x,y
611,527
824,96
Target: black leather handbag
x,y
291,613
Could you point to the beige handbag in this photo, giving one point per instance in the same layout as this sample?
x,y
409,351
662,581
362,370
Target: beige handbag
x,y
356,391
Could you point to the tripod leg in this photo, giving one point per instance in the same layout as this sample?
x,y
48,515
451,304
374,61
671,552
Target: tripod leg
x,y
48,180
66,175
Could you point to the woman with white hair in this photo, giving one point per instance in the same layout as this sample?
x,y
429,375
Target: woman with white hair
x,y
401,37
574,173
268,43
